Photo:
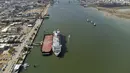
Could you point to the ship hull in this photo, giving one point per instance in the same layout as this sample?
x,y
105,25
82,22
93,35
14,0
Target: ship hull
x,y
56,53
56,48
46,47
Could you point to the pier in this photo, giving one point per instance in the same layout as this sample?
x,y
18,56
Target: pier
x,y
37,43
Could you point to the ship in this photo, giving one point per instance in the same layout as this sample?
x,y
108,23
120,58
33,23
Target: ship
x,y
91,21
47,44
85,5
87,20
94,24
56,47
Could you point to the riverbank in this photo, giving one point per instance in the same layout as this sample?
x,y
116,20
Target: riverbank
x,y
33,33
28,40
115,11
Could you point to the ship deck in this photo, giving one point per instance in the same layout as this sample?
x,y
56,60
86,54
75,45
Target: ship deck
x,y
47,43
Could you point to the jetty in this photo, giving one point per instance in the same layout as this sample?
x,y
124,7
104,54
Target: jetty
x,y
37,43
94,24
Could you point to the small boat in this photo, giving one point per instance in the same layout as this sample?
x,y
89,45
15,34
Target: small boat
x,y
94,24
87,20
25,65
68,36
91,21
56,47
34,66
46,16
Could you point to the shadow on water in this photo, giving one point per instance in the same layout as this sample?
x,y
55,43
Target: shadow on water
x,y
64,48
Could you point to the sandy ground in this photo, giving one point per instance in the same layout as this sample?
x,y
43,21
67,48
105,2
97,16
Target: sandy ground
x,y
37,10
114,11
4,58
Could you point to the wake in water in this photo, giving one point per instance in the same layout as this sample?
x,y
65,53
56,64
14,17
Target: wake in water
x,y
69,38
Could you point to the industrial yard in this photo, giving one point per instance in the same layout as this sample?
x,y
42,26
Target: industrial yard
x,y
19,23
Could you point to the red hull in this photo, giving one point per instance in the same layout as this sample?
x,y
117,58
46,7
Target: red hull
x,y
47,44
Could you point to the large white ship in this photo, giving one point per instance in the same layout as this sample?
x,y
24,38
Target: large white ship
x,y
56,47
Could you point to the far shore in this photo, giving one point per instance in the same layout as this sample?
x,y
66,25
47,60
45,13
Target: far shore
x,y
114,11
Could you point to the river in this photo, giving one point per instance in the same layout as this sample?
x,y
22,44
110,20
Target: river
x,y
101,49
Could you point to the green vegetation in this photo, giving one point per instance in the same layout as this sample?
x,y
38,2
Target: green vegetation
x,y
25,49
30,38
35,29
12,50
20,58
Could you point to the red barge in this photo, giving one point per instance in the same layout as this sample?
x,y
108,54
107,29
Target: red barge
x,y
47,44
